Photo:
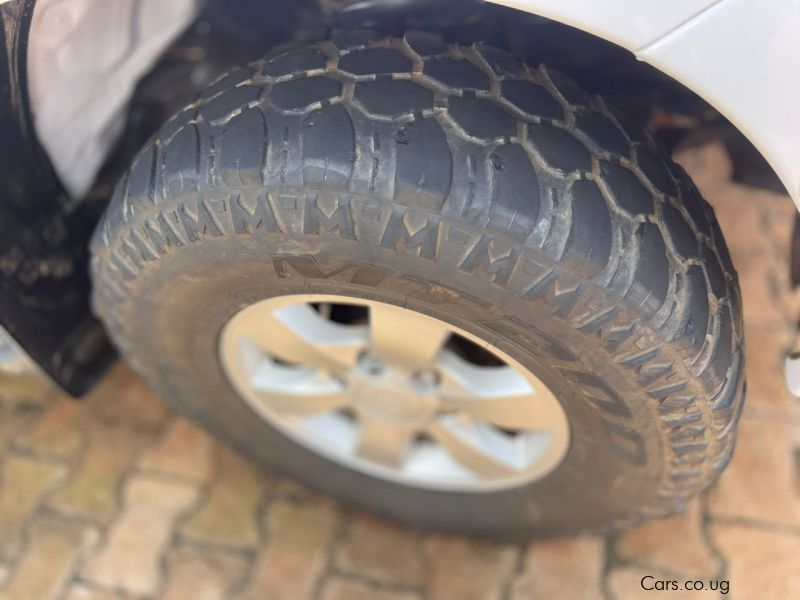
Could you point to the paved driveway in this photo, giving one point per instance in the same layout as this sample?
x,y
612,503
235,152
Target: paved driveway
x,y
115,497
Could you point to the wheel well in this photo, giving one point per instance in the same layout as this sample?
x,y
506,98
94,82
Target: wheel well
x,y
675,114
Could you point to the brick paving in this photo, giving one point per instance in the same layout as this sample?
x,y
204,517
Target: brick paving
x,y
115,497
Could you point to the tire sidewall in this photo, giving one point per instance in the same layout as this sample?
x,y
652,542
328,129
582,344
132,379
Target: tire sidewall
x,y
615,459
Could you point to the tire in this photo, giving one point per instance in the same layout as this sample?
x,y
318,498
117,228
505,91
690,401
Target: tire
x,y
463,184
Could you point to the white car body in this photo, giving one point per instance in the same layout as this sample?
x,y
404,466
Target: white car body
x,y
741,56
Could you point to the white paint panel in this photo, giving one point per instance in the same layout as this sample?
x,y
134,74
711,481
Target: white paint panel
x,y
742,56
629,23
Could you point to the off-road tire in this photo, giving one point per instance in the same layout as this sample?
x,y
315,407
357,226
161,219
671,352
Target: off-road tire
x,y
462,183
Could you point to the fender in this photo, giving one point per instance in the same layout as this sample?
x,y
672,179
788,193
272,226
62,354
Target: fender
x,y
741,56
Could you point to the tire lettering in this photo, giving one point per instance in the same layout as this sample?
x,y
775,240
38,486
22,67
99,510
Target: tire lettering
x,y
198,223
248,220
424,238
484,255
328,213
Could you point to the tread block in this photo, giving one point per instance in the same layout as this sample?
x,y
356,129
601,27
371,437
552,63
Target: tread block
x,y
456,73
560,148
721,360
230,102
425,44
516,186
140,187
502,63
719,241
653,269
328,146
629,193
392,97
694,204
244,149
296,59
697,322
568,89
590,234
481,118
716,275
375,61
603,132
532,99
633,128
176,123
227,81
681,234
655,170
299,94
182,162
419,179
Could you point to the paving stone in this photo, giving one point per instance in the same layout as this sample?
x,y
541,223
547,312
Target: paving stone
x,y
675,544
285,487
15,416
27,389
131,556
124,397
338,588
376,549
466,569
84,591
57,433
761,482
626,583
228,515
184,450
761,564
202,574
296,553
562,568
92,491
24,483
53,550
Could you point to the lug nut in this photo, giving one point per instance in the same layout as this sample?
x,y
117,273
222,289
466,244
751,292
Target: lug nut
x,y
426,380
371,364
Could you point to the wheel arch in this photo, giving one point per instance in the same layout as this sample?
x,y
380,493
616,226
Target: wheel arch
x,y
738,55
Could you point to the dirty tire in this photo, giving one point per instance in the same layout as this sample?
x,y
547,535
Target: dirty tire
x,y
462,183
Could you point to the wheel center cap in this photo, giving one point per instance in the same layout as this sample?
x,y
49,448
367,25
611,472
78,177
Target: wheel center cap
x,y
392,401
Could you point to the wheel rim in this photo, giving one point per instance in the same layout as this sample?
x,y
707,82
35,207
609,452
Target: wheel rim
x,y
393,393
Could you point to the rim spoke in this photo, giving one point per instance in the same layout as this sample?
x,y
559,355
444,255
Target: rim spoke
x,y
303,404
383,442
479,449
508,412
298,334
296,390
498,395
405,338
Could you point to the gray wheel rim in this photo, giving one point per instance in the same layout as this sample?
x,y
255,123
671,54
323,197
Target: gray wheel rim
x,y
390,398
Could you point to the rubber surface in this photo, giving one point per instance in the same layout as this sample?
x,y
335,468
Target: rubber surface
x,y
465,184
